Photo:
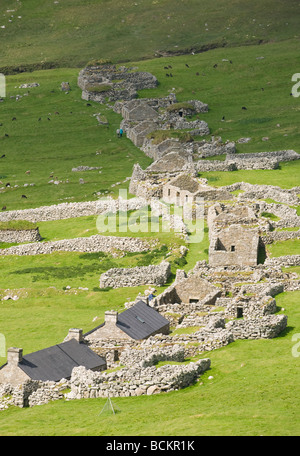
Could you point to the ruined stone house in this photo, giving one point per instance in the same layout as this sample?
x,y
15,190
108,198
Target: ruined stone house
x,y
138,132
137,111
192,290
185,189
235,245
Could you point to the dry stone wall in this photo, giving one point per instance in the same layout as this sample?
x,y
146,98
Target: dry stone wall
x,y
134,381
139,275
96,243
71,210
19,236
266,327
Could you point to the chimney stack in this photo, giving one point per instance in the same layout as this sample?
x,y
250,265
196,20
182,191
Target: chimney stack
x,y
111,317
14,355
75,333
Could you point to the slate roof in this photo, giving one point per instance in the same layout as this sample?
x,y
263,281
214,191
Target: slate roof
x,y
57,362
139,321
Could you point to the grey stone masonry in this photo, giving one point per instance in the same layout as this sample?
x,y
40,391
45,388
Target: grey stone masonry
x,y
70,210
96,243
20,236
139,275
99,83
266,327
135,381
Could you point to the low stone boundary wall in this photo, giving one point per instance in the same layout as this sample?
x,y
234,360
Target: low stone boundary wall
x,y
139,275
71,210
19,236
260,160
279,155
31,392
92,244
135,381
267,327
286,260
146,358
274,236
47,392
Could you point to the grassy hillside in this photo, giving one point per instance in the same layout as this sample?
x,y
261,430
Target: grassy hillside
x,y
70,32
49,149
254,49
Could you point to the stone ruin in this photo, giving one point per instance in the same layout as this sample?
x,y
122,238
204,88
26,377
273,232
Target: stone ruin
x,y
106,82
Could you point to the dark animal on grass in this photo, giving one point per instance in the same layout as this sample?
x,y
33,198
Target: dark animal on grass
x,y
4,208
2,156
244,107
14,118
24,196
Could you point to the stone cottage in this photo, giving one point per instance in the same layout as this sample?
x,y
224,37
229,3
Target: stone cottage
x,y
138,110
185,189
50,364
136,323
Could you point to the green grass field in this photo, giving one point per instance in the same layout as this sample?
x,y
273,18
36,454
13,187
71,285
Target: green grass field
x,y
254,390
71,32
